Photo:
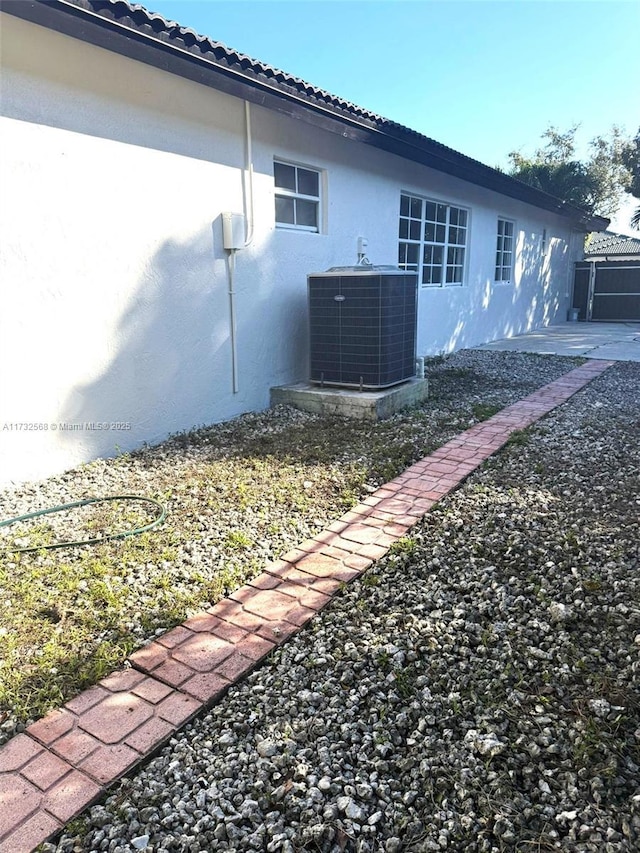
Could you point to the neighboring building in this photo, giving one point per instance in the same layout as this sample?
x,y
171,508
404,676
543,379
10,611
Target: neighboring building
x,y
607,246
607,281
124,141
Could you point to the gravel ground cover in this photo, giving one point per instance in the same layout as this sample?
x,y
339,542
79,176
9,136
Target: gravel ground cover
x,y
476,690
237,495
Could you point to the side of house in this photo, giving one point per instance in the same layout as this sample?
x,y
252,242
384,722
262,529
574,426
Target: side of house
x,y
123,318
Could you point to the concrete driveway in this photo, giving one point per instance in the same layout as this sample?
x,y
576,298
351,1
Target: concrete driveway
x,y
614,341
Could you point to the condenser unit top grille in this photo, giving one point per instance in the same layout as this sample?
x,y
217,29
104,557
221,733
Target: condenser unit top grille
x,y
362,269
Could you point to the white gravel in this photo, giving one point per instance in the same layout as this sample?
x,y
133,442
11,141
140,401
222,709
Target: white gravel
x,y
476,690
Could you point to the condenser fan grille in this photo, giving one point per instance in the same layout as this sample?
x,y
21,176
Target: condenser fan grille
x,y
362,327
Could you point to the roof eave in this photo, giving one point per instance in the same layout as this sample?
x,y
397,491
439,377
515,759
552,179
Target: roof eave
x,y
86,25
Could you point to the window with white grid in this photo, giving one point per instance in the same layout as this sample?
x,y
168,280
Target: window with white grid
x,y
504,250
433,240
297,194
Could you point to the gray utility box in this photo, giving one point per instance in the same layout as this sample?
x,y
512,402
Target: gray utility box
x,y
362,326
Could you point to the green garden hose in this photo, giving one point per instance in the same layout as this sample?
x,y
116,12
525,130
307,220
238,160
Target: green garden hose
x,y
121,535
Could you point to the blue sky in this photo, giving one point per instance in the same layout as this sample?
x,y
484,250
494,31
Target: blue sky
x,y
483,77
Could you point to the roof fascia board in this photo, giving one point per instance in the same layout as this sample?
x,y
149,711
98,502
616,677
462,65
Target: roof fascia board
x,y
88,26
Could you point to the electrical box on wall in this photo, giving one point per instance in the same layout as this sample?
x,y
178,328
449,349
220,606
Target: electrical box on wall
x,y
233,231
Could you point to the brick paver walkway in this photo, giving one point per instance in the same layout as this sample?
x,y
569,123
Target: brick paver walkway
x,y
66,760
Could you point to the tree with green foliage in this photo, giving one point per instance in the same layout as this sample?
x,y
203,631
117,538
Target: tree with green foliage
x,y
631,159
595,185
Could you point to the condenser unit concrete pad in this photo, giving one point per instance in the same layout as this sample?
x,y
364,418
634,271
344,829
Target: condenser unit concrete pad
x,y
349,402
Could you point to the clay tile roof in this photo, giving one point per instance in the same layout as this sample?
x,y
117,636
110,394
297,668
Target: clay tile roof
x,y
132,21
609,243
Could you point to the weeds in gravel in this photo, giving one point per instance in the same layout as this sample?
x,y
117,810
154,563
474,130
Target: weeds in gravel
x,y
237,495
69,617
519,438
405,682
484,411
403,547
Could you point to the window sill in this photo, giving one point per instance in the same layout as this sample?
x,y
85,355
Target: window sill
x,y
443,286
298,229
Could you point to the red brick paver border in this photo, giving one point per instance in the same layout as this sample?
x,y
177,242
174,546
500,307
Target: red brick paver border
x,y
66,760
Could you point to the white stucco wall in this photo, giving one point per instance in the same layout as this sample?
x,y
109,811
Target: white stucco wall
x,y
114,305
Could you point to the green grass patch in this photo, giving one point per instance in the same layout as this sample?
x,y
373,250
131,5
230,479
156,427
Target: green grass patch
x,y
519,438
484,411
69,617
405,546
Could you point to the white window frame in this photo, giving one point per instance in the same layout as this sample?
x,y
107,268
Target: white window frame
x,y
283,192
429,243
505,251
